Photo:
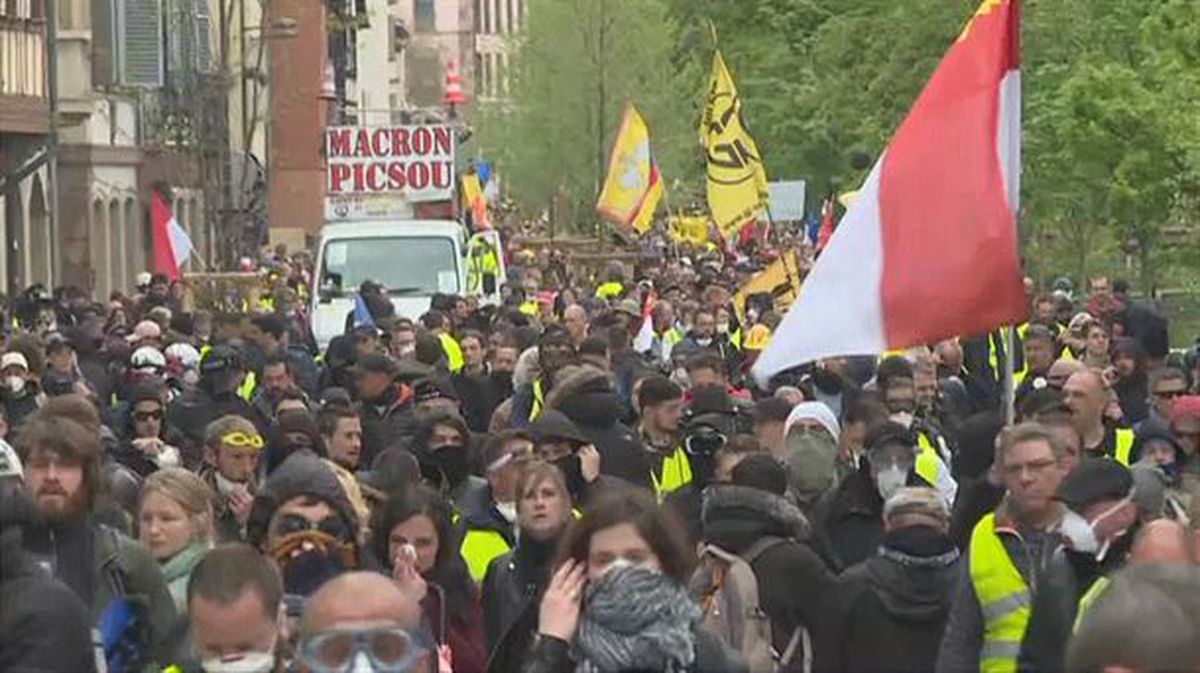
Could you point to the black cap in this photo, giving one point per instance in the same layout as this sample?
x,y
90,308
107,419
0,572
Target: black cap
x,y
432,388
375,363
220,359
57,340
1094,480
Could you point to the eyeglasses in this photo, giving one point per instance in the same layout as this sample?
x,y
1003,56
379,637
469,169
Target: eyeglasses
x,y
333,526
142,416
334,651
1169,394
1035,467
242,439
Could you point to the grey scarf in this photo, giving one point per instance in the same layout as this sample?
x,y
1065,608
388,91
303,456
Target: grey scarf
x,y
636,620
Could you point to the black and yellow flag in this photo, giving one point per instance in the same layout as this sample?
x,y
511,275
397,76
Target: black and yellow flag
x,y
737,181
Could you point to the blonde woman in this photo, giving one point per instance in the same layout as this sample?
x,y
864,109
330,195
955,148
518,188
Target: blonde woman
x,y
175,516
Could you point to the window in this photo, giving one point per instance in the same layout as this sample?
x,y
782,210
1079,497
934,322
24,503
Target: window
x,y
412,266
425,16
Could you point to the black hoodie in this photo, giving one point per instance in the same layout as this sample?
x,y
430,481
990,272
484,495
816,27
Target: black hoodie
x,y
890,611
587,397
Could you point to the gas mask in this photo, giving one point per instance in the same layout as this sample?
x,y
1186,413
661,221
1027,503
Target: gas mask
x,y
810,460
1080,534
889,480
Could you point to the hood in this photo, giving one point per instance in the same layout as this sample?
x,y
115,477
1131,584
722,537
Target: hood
x,y
813,411
587,396
735,517
914,574
303,473
554,424
527,368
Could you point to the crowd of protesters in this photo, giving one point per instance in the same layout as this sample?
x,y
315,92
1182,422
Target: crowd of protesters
x,y
586,478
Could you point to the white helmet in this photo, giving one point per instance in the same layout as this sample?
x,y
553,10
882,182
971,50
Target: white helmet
x,y
148,357
185,353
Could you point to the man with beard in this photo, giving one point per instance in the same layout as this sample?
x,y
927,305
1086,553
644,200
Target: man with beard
x,y
276,381
232,450
661,408
1097,533
115,577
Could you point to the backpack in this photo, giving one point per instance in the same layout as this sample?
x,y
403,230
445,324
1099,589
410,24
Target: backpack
x,y
725,585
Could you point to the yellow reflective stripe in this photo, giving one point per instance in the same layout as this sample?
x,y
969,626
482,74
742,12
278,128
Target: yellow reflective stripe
x,y
1003,598
676,473
609,290
479,547
928,465
1124,447
1089,597
247,390
539,400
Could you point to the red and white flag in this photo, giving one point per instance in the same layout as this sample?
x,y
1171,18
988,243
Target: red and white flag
x,y
643,341
172,246
929,248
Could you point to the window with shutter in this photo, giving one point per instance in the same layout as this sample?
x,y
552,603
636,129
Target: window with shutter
x,y
204,55
141,58
104,42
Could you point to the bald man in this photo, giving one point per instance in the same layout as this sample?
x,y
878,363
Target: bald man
x,y
1087,395
1061,370
365,616
1163,541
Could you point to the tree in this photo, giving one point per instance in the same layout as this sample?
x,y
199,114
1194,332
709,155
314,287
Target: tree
x,y
576,64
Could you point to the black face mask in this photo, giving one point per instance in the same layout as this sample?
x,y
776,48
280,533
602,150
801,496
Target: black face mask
x,y
572,470
446,466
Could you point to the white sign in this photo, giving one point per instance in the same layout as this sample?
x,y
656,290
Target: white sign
x,y
787,200
415,163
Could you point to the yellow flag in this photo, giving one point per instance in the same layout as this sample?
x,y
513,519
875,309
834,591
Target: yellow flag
x,y
737,181
692,230
633,186
474,201
781,279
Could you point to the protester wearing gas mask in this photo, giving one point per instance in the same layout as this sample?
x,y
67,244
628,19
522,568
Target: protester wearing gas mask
x,y
895,382
849,518
1097,532
414,539
363,622
811,436
303,520
618,601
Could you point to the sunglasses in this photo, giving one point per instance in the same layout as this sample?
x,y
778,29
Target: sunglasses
x,y
387,648
143,416
242,439
333,526
1169,394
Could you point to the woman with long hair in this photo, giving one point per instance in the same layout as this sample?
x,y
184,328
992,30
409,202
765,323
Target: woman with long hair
x,y
413,534
619,601
175,522
515,581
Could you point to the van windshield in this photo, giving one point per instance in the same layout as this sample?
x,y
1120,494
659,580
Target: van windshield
x,y
403,265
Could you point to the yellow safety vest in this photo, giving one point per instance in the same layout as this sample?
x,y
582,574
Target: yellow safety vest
x,y
539,399
929,464
454,356
676,472
529,307
609,290
1003,598
1124,447
1089,597
479,547
247,390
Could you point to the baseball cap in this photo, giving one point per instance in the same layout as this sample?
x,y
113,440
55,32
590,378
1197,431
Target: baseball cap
x,y
916,500
433,388
219,359
1095,479
375,363
14,359
146,329
10,463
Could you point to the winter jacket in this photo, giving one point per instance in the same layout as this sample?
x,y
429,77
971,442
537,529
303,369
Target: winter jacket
x,y
225,523
478,396
551,655
101,565
512,590
890,611
191,414
587,397
463,633
483,530
387,422
850,520
793,582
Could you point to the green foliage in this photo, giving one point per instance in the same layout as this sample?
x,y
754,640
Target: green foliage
x,y
1112,107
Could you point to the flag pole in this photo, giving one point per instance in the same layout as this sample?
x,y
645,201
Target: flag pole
x,y
1009,395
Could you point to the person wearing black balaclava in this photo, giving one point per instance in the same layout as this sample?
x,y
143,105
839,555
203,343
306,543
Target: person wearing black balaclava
x,y
303,520
441,446
558,441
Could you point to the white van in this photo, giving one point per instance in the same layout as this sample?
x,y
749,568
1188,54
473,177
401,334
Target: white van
x,y
413,259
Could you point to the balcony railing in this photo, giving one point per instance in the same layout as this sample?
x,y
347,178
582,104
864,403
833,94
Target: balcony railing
x,y
22,57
